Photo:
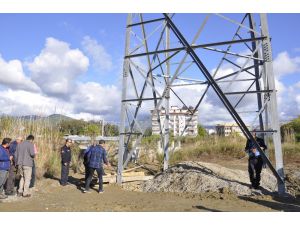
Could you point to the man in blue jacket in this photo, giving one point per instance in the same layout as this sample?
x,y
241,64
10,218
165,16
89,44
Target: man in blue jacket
x,y
96,157
5,161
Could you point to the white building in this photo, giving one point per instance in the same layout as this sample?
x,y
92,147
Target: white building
x,y
179,119
227,129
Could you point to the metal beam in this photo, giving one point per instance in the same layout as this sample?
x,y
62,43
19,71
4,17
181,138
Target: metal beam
x,y
194,47
256,71
267,51
247,92
145,22
123,104
167,106
139,99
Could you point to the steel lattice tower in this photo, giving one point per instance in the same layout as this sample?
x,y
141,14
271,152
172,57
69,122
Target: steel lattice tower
x,y
167,51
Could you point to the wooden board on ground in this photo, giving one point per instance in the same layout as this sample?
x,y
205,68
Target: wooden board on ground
x,y
127,177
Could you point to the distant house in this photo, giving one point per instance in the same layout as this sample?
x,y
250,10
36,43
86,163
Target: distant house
x,y
210,131
227,129
179,119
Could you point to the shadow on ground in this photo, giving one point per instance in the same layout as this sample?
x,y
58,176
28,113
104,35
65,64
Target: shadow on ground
x,y
286,204
206,209
78,182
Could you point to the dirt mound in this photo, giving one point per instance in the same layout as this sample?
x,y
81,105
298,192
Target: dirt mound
x,y
200,177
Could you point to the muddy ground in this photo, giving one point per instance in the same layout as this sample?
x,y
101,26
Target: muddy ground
x,y
50,196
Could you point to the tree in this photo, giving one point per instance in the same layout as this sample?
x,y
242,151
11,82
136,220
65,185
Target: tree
x,y
92,130
201,131
73,127
148,132
291,129
111,130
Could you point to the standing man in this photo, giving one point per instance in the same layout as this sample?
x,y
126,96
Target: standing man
x,y
24,160
10,185
5,161
86,161
97,156
33,175
65,162
255,161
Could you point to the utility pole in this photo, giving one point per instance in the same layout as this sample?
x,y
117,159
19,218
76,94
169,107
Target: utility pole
x,y
102,128
148,78
167,104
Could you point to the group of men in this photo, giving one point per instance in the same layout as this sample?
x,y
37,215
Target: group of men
x,y
94,158
17,157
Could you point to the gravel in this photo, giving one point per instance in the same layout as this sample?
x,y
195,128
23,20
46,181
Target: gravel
x,y
200,177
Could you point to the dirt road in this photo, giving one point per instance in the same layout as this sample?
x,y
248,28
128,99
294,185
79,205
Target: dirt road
x,y
50,196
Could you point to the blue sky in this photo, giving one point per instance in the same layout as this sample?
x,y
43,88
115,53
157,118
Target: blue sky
x,y
28,41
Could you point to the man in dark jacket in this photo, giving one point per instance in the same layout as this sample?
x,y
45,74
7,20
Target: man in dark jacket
x,y
96,158
255,161
65,162
5,161
24,160
86,161
10,185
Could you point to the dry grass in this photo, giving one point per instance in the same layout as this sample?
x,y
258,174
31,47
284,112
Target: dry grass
x,y
209,146
47,138
194,149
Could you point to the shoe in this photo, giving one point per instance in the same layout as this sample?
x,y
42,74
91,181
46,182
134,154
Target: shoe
x,y
27,196
100,192
86,191
20,194
3,196
11,193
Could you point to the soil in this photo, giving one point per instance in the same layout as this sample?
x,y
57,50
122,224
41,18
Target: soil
x,y
133,197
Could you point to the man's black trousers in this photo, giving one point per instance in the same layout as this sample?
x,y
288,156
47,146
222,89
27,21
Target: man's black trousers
x,y
90,177
64,173
254,168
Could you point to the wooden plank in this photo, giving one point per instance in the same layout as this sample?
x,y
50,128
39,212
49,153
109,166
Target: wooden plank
x,y
112,178
137,178
124,171
133,174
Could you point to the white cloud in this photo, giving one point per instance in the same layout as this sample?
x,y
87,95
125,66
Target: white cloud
x,y
18,102
13,76
57,67
284,64
102,60
97,99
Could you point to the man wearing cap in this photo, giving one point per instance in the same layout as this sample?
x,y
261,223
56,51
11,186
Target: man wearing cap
x,y
255,161
10,185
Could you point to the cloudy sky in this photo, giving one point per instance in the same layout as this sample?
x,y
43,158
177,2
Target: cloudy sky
x,y
72,64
